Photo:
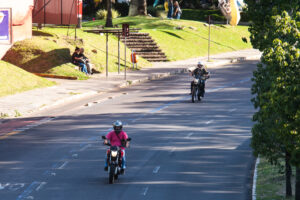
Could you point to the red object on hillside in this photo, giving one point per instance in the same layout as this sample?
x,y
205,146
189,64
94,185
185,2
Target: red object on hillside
x,y
58,12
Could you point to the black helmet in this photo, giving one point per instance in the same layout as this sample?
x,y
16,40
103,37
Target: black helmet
x,y
118,126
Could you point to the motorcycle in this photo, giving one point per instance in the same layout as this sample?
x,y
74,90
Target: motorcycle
x,y
114,160
198,87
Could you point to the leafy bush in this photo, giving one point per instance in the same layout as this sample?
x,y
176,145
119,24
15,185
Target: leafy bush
x,y
156,12
102,14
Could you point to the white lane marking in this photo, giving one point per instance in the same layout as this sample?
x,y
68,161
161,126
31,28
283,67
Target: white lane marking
x,y
63,165
75,155
85,147
173,149
40,186
12,186
232,110
30,197
28,190
209,122
16,186
156,169
255,179
145,190
3,186
189,135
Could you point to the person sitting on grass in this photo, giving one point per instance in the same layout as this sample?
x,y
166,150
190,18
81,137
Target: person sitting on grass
x,y
77,60
86,61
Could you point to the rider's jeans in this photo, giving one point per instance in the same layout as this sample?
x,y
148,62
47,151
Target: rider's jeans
x,y
123,159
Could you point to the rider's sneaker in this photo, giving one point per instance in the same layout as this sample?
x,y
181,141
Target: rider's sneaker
x,y
105,168
122,171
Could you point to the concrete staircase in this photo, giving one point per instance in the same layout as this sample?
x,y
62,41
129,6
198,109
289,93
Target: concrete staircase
x,y
145,46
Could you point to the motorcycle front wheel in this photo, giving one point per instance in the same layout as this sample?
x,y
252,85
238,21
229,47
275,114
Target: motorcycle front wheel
x,y
194,92
111,178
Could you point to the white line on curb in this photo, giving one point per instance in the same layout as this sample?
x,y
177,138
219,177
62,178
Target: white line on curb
x,y
255,179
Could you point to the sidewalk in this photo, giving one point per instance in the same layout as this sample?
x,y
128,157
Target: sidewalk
x,y
27,103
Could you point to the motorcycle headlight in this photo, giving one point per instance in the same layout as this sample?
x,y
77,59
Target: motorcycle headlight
x,y
196,81
114,153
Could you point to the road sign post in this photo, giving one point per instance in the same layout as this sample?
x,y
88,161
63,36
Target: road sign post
x,y
209,22
125,33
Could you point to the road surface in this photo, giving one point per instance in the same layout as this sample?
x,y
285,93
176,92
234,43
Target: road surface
x,y
179,150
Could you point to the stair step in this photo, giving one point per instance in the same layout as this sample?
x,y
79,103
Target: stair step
x,y
140,43
138,40
152,56
142,50
136,37
149,53
146,46
157,60
137,33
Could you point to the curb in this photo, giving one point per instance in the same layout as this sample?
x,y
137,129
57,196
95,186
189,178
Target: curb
x,y
255,179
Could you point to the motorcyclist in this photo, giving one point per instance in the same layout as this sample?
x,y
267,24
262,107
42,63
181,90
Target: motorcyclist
x,y
117,137
199,72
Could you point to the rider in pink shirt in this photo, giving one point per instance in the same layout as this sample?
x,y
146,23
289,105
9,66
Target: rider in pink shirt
x,y
117,137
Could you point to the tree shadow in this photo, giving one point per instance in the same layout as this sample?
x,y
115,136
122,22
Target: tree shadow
x,y
172,34
47,60
39,33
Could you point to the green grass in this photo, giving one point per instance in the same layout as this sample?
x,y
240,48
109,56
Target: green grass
x,y
271,183
191,41
202,15
14,80
49,51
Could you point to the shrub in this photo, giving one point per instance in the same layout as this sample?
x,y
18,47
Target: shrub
x,y
102,14
154,12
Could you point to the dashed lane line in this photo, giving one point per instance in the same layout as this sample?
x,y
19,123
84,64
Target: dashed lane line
x,y
156,169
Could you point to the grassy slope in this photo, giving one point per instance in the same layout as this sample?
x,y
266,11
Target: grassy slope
x,y
49,51
186,43
14,80
271,183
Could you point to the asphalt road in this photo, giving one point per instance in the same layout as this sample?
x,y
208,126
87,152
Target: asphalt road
x,y
180,150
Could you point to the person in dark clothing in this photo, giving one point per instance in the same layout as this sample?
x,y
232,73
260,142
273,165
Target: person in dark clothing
x,y
170,7
86,61
77,60
199,72
177,10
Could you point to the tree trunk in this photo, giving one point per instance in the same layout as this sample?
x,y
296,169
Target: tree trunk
x,y
137,7
109,22
297,189
288,175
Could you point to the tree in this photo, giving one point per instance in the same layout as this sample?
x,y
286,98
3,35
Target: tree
x,y
276,132
109,22
261,12
137,7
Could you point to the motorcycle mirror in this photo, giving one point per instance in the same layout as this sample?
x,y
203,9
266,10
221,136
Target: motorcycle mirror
x,y
103,137
128,139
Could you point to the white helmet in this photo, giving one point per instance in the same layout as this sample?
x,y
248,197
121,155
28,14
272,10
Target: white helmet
x,y
200,64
